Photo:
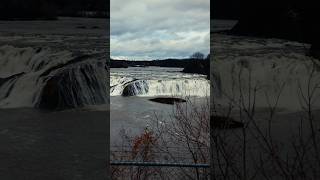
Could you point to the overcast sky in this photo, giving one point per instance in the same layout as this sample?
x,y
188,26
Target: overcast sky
x,y
158,29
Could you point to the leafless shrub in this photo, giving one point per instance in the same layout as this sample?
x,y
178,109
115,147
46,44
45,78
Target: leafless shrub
x,y
181,138
254,151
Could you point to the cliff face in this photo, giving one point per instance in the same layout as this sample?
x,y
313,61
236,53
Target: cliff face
x,y
293,20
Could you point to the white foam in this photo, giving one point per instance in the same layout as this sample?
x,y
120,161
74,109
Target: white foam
x,y
24,90
155,81
273,66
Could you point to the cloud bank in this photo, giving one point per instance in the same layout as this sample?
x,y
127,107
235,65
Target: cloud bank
x,y
158,29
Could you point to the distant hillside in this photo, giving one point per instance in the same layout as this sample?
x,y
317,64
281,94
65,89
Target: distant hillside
x,y
225,9
51,9
286,19
198,66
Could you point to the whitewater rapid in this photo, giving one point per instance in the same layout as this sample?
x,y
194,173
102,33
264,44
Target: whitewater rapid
x,y
263,73
46,78
157,81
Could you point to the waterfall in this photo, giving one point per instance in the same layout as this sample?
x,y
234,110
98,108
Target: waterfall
x,y
45,78
159,87
267,81
51,79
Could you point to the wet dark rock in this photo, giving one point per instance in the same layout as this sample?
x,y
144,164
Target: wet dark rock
x,y
4,80
221,122
50,97
73,61
74,86
128,91
135,87
39,50
168,100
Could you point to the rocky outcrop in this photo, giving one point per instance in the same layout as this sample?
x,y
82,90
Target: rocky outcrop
x,y
168,100
135,87
74,86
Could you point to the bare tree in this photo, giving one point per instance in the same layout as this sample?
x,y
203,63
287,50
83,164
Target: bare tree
x,y
183,137
197,55
255,151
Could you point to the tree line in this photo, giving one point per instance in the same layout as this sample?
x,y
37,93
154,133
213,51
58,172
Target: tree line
x,y
49,9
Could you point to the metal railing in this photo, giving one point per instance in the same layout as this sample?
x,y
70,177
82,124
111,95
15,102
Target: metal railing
x,y
157,164
178,164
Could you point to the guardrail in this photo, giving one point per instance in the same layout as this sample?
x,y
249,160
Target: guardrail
x,y
157,164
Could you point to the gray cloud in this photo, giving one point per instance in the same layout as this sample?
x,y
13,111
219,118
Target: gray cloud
x,y
156,29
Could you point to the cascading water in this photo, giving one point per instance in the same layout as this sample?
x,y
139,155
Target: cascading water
x,y
48,79
263,72
162,82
